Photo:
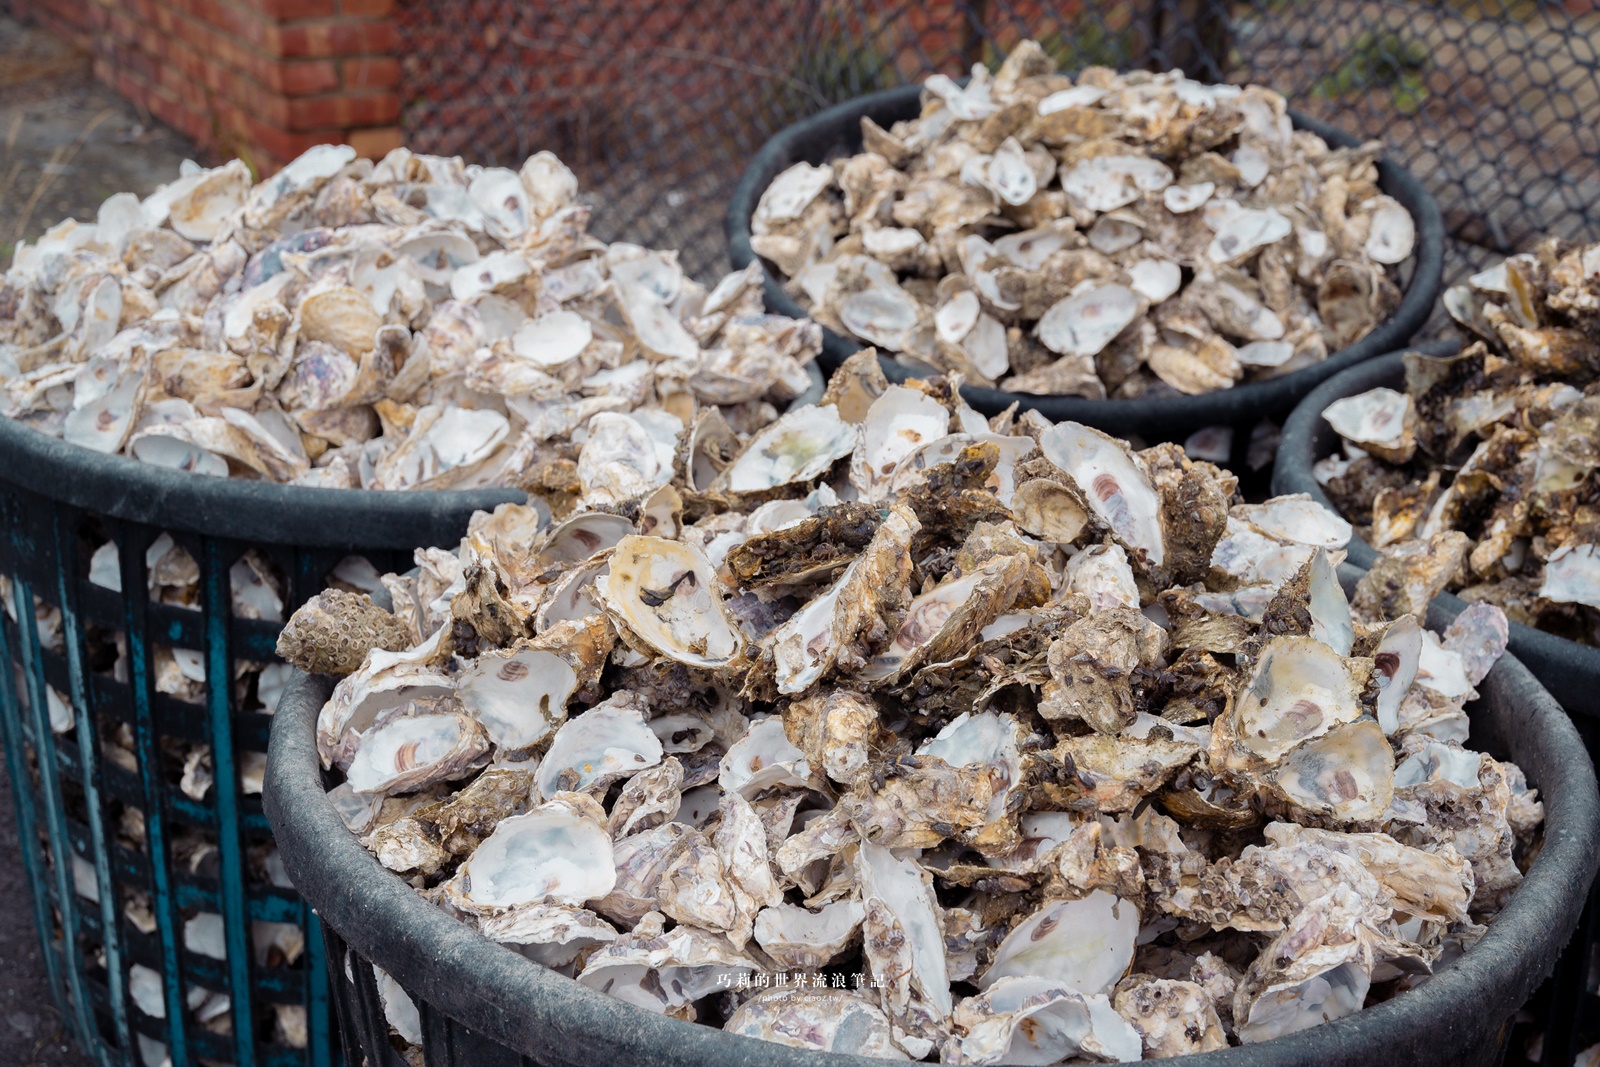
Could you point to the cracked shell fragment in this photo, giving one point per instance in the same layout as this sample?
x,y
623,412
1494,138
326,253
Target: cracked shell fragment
x,y
661,970
1318,969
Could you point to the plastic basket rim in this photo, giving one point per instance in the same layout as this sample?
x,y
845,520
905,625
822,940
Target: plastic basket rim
x,y
503,996
1304,434
120,487
1416,304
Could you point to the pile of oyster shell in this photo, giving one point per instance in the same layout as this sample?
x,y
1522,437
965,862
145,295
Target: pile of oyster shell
x,y
1489,462
414,324
920,734
1121,235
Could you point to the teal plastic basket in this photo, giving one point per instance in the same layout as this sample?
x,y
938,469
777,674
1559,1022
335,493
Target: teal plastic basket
x,y
119,857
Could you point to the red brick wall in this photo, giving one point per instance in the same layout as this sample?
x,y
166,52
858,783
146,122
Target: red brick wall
x,y
258,79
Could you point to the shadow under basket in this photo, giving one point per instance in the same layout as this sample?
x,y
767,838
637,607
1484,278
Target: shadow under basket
x,y
836,132
479,1004
1565,1014
135,733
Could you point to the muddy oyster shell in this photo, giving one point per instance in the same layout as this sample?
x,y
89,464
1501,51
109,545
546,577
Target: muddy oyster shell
x,y
998,715
1105,220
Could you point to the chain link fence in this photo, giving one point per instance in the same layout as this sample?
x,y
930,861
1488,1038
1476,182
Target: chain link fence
x,y
658,104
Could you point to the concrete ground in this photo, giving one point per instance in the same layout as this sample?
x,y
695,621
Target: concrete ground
x,y
31,1030
66,143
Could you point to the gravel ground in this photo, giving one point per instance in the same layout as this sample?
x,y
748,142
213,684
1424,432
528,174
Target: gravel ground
x,y
66,143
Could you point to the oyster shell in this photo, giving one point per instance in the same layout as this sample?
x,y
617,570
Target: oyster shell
x,y
519,695
414,751
664,971
665,595
1113,483
605,743
1381,422
1034,1020
555,853
831,1020
1084,945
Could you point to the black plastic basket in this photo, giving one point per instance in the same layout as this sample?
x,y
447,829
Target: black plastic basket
x,y
1566,1012
837,131
479,1004
57,504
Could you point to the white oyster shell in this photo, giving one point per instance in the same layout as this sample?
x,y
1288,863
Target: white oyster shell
x,y
551,854
904,941
1113,483
592,750
825,1020
805,940
791,192
548,933
1028,1020
1105,183
1084,324
1084,945
882,315
518,695
1379,420
1572,576
1300,689
665,971
897,423
1297,519
798,447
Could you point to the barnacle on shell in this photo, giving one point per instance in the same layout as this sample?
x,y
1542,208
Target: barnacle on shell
x,y
333,631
